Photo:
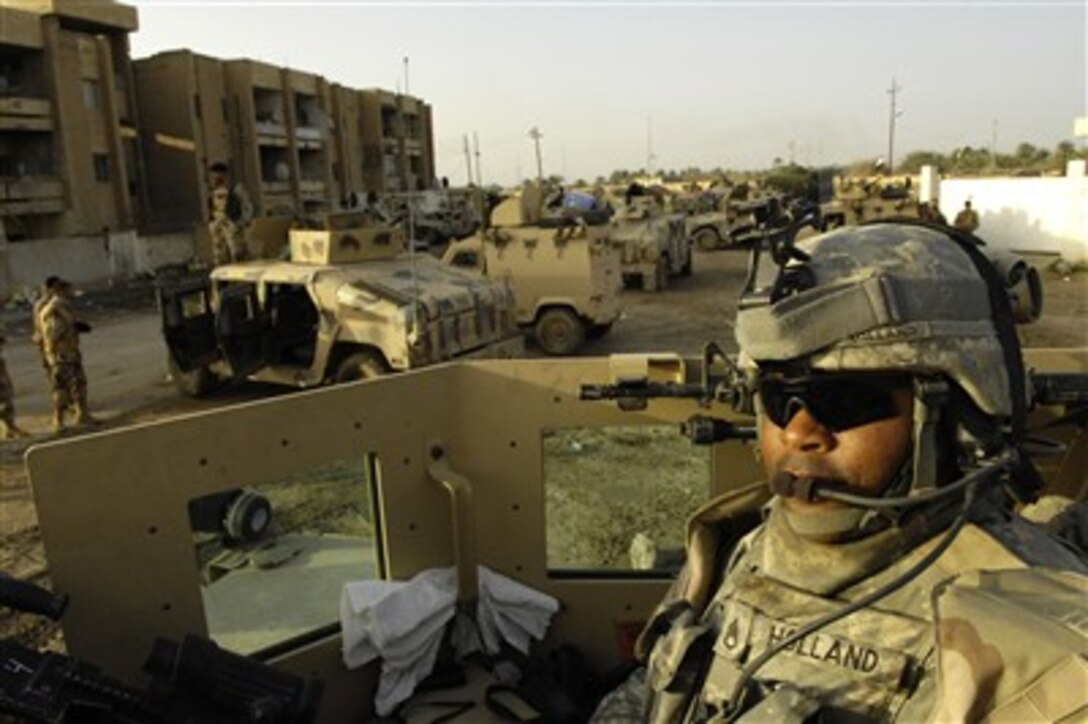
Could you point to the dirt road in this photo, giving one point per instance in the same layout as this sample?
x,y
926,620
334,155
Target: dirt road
x,y
125,362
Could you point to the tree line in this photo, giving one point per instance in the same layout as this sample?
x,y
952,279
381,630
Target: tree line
x,y
1026,160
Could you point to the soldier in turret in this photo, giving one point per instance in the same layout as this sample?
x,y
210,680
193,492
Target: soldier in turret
x,y
231,213
881,573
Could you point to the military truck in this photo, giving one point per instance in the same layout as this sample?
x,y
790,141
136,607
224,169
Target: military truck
x,y
655,245
350,304
857,200
565,273
439,215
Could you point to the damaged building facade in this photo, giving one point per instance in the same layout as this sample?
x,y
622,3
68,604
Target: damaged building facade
x,y
103,158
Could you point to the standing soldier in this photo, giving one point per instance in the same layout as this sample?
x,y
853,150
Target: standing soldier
x,y
966,219
8,428
36,337
231,214
60,332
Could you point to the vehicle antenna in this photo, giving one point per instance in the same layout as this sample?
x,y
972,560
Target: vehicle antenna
x,y
891,125
476,150
650,146
468,158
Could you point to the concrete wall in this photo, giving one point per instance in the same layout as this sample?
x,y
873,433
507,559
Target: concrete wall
x,y
1035,215
88,260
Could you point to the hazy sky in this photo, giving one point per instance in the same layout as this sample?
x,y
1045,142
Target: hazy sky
x,y
716,83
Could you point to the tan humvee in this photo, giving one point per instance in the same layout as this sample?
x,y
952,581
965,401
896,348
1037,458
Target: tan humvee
x,y
857,200
565,273
655,245
401,474
349,305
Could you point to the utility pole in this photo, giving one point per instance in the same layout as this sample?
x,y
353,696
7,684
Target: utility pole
x,y
406,92
993,144
468,158
536,135
476,148
891,125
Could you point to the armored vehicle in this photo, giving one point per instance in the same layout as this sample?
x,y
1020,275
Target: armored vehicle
x,y
565,273
857,200
439,215
733,214
348,305
406,473
655,245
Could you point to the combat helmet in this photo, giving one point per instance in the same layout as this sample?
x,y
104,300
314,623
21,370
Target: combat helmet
x,y
899,297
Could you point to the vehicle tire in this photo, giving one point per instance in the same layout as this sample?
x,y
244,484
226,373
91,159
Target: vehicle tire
x,y
559,331
247,516
360,366
707,239
194,383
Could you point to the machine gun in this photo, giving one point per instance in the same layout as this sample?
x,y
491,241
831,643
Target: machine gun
x,y
727,386
195,682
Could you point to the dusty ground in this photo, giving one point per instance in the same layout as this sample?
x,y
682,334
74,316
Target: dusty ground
x,y
125,362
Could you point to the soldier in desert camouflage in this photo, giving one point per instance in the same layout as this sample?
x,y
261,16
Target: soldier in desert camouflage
x,y
880,574
60,332
231,214
8,428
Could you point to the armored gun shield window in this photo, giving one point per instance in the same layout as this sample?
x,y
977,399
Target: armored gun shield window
x,y
274,557
617,498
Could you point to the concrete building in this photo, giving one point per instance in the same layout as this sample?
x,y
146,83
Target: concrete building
x,y
69,162
94,146
398,141
298,143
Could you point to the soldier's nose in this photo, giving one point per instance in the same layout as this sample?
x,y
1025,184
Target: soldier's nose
x,y
804,432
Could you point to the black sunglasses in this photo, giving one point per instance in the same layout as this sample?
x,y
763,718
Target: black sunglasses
x,y
838,402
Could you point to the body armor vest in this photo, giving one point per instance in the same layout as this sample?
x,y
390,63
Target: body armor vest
x,y
877,664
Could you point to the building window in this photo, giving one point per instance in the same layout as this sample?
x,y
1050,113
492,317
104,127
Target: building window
x,y
102,167
92,94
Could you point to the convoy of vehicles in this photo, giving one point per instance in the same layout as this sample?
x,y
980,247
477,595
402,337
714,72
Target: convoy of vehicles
x,y
348,305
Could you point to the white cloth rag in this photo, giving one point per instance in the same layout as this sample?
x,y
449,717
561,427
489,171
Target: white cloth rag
x,y
403,622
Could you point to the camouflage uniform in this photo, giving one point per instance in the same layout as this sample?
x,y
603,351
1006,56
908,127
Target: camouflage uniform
x,y
983,631
966,220
8,428
60,346
36,335
231,214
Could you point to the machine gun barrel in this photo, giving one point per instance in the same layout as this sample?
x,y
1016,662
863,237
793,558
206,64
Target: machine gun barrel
x,y
1069,389
642,390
